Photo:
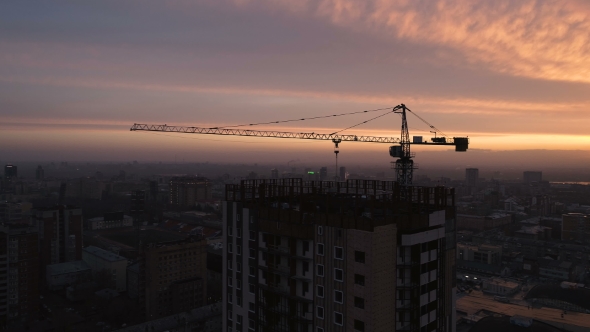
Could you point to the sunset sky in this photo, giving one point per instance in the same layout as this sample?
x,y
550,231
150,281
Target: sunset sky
x,y
514,76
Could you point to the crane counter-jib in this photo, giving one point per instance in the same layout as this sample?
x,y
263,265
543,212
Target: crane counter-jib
x,y
459,142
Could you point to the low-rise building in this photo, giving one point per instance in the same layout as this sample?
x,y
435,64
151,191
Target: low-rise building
x,y
62,275
553,269
109,221
481,253
480,223
107,264
499,286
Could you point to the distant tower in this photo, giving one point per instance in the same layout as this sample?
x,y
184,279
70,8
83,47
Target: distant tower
x,y
10,171
40,173
532,176
324,174
274,173
471,176
343,175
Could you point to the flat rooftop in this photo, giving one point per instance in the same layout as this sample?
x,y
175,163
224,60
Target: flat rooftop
x,y
66,268
104,254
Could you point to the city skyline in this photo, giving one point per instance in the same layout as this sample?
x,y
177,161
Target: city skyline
x,y
511,76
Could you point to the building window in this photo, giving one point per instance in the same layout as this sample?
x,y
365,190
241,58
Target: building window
x,y
251,307
359,325
320,291
239,319
320,249
229,315
320,230
229,263
305,247
239,232
359,256
319,329
338,318
338,275
229,247
239,298
251,288
320,312
320,271
338,253
338,296
238,284
229,281
239,250
229,297
359,279
359,302
252,271
304,288
252,253
251,325
252,235
239,267
229,231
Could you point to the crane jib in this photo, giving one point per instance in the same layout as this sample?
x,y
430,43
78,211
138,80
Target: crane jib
x,y
281,134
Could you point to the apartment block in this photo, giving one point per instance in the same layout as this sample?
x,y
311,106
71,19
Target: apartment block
x,y
338,256
188,190
175,276
60,233
19,274
575,227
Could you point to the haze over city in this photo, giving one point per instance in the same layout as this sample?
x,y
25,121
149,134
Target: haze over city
x,y
511,75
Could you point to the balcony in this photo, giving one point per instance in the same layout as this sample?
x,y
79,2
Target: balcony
x,y
278,269
276,249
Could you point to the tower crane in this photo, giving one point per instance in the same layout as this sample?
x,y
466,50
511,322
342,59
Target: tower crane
x,y
404,165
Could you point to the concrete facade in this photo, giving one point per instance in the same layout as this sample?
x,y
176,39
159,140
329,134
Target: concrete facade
x,y
292,262
102,261
59,276
175,275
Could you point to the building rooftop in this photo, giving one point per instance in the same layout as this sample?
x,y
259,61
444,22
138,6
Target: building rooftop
x,y
533,229
359,204
126,217
104,254
68,267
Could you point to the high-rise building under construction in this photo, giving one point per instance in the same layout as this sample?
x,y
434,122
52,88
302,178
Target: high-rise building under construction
x,y
338,256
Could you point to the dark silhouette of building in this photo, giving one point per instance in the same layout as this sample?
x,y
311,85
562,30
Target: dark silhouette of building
x,y
39,173
175,275
60,233
188,190
274,173
324,174
471,179
10,172
19,274
529,177
338,256
343,175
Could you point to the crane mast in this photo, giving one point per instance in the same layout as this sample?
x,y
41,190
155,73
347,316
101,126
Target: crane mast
x,y
404,165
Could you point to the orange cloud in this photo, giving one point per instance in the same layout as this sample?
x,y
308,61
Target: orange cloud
x,y
530,38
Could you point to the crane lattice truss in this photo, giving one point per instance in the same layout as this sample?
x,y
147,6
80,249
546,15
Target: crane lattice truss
x,y
404,165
